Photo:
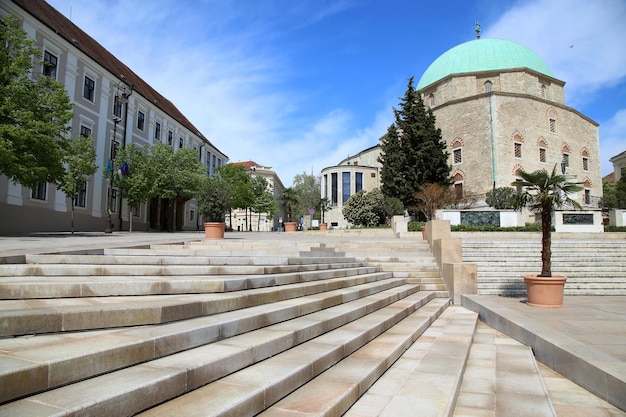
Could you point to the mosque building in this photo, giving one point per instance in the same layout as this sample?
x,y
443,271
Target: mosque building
x,y
500,109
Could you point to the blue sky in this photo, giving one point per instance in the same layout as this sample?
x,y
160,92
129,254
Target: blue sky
x,y
301,84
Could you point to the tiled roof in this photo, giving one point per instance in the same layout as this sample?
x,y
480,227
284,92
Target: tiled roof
x,y
247,165
63,27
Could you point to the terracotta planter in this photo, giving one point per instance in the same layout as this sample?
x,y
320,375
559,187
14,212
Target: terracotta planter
x,y
214,230
545,291
323,226
290,226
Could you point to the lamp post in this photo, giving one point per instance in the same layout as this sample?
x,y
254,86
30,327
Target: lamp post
x,y
117,112
109,228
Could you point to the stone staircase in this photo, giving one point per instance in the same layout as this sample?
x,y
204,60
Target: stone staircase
x,y
592,266
238,328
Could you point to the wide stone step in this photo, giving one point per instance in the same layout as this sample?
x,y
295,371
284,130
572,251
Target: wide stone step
x,y
97,285
22,317
501,378
425,381
14,270
128,391
181,259
250,391
39,363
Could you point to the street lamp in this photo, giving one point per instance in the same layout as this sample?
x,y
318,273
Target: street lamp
x,y
109,228
117,112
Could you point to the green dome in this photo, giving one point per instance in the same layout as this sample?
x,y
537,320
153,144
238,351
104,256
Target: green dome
x,y
483,55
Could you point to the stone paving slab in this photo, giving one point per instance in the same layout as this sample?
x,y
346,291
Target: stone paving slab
x,y
584,341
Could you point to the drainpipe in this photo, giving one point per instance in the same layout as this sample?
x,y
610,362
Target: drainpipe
x,y
493,142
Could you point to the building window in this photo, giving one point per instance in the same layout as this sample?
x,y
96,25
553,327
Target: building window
x,y
219,162
587,197
543,91
333,188
141,120
565,160
180,143
325,185
81,198
552,125
192,215
213,166
458,156
358,182
136,211
488,87
518,149
49,65
117,107
542,155
585,164
157,131
89,88
170,137
40,191
85,131
432,100
345,187
458,189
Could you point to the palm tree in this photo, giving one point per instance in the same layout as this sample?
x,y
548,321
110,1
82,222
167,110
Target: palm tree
x,y
290,198
543,193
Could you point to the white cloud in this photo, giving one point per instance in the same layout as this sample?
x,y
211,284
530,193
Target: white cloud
x,y
582,41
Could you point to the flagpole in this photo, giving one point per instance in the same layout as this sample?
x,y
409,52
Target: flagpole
x,y
109,228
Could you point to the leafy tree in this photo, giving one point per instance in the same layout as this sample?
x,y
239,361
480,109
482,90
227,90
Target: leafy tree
x,y
34,113
371,208
81,164
543,193
360,210
135,187
392,207
500,198
214,198
173,176
308,188
264,201
620,190
240,182
432,197
412,151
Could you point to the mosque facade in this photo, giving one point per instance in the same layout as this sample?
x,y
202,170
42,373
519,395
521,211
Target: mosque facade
x,y
500,109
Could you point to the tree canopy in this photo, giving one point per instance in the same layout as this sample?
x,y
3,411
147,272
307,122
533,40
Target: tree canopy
x,y
34,112
412,151
81,164
371,208
308,189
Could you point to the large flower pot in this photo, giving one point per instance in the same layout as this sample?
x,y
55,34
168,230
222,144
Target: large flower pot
x,y
545,291
290,226
214,230
323,226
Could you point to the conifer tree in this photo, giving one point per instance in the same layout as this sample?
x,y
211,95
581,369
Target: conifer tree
x,y
412,151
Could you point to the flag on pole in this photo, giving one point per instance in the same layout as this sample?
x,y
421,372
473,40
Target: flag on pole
x,y
122,172
109,167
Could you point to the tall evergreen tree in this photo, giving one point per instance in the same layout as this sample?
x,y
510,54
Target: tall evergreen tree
x,y
412,151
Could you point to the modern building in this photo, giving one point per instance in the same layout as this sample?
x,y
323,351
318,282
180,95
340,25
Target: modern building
x,y
340,182
500,109
242,220
116,107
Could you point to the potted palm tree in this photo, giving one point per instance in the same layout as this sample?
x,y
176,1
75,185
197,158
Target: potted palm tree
x,y
214,200
543,193
324,207
290,198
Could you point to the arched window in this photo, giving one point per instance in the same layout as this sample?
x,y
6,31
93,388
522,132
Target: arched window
x,y
432,100
488,87
543,91
552,118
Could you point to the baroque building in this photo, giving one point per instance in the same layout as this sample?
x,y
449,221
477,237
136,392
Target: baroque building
x,y
115,107
241,220
500,109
